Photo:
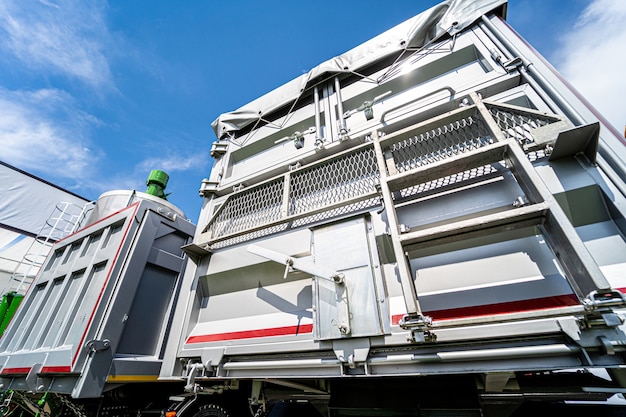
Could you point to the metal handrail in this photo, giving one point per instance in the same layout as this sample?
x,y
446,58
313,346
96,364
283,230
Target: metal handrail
x,y
447,88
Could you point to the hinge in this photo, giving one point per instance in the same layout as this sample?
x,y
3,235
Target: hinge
x,y
604,298
98,345
419,327
510,65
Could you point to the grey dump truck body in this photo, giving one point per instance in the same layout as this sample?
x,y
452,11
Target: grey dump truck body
x,y
99,311
430,223
437,201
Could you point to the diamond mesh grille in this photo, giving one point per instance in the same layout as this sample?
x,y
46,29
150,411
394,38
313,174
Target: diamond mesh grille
x,y
517,125
341,211
266,231
449,181
453,138
249,208
330,183
338,180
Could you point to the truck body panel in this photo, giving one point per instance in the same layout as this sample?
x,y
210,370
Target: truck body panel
x,y
434,211
450,208
99,308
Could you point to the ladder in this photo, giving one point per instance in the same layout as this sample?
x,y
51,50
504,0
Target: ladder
x,y
476,135
65,219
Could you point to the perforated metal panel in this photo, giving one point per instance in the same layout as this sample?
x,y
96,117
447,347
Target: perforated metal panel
x,y
443,140
338,180
248,209
518,124
336,186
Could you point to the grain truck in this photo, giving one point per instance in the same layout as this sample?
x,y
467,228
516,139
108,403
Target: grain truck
x,y
430,224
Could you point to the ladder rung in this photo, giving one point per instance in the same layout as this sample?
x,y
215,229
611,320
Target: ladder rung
x,y
488,154
516,218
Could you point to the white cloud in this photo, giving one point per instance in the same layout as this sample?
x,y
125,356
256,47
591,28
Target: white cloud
x,y
173,163
44,131
67,37
593,58
136,178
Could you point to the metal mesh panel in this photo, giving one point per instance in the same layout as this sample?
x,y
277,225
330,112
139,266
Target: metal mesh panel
x,y
249,209
452,138
517,124
338,180
350,176
266,231
449,181
329,214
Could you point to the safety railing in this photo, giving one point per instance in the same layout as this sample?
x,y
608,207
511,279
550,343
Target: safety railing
x,y
349,181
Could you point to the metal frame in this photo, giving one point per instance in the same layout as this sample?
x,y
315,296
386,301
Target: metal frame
x,y
582,273
495,140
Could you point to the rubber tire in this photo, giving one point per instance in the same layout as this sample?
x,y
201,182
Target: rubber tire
x,y
211,410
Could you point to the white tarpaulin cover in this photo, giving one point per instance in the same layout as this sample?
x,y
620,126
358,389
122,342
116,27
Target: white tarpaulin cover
x,y
13,248
26,201
451,16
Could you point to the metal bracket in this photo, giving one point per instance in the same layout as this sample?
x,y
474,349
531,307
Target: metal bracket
x,y
98,345
193,370
366,107
607,347
510,65
34,382
297,137
419,327
218,149
352,352
604,298
343,308
208,187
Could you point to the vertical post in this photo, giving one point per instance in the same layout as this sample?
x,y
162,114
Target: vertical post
x,y
286,191
343,129
319,138
406,277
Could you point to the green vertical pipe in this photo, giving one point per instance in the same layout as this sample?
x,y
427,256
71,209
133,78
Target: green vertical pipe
x,y
13,301
4,306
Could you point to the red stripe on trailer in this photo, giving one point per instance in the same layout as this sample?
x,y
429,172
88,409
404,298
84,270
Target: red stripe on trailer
x,y
250,334
135,206
55,370
565,300
91,225
78,231
498,308
12,371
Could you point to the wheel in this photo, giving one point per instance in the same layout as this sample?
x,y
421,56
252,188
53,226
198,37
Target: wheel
x,y
211,410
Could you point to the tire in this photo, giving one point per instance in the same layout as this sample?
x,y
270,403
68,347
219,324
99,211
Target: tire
x,y
211,410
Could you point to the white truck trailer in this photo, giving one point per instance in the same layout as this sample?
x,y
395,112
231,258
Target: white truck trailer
x,y
430,224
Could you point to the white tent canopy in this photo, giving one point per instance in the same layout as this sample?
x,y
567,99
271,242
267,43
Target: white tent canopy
x,y
26,204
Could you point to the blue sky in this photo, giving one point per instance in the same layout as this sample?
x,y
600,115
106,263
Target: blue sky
x,y
94,94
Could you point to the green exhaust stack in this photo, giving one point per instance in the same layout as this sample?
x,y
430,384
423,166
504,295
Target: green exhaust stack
x,y
157,181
